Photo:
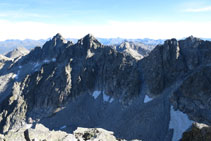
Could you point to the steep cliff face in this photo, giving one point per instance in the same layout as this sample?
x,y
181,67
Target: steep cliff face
x,y
84,67
173,61
163,66
194,95
64,86
63,71
184,64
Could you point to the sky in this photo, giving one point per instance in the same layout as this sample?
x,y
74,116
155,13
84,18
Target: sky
x,y
156,19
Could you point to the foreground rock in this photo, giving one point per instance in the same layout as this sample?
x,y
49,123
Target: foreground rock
x,y
41,133
198,132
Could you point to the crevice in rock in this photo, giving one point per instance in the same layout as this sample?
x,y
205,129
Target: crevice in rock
x,y
26,135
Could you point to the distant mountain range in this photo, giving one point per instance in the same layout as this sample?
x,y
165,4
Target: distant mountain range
x,y
9,45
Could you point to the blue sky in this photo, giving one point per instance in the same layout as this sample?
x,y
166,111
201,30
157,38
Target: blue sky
x,y
105,18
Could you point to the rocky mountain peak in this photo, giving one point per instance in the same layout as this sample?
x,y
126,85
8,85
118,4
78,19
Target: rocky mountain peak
x,y
135,49
125,45
58,39
58,35
17,52
50,50
89,41
90,36
192,38
55,46
171,41
190,42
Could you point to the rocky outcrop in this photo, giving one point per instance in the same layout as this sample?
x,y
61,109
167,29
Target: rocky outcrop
x,y
3,60
41,133
50,50
184,65
94,134
194,95
173,61
135,49
16,53
197,132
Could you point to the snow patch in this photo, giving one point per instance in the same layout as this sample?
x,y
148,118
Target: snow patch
x,y
179,122
105,97
89,54
27,126
54,60
63,127
201,125
17,76
147,99
96,94
14,76
111,100
36,65
46,61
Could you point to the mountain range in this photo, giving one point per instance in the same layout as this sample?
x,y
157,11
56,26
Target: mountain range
x,y
135,90
9,45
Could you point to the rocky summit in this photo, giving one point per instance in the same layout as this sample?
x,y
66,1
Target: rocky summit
x,y
18,52
88,91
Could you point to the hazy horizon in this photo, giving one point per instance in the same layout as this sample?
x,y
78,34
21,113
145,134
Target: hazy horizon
x,y
69,38
134,19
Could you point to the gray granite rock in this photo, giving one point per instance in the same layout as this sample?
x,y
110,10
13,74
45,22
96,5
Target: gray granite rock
x,y
42,133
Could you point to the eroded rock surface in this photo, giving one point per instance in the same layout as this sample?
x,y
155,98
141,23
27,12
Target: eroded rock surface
x,y
41,133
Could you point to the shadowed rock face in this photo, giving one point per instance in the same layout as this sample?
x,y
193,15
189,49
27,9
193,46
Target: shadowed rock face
x,y
76,72
194,95
186,65
173,61
78,69
196,133
51,49
163,66
65,86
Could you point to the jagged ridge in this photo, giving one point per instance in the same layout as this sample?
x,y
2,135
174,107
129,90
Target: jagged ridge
x,y
91,85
